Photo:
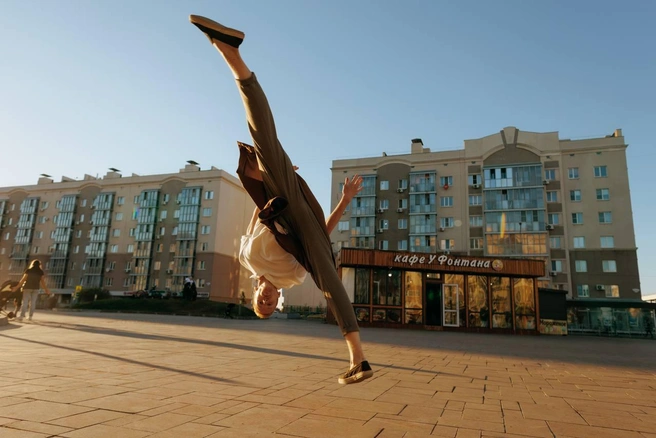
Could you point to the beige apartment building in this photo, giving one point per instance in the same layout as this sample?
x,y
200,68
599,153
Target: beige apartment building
x,y
510,194
129,233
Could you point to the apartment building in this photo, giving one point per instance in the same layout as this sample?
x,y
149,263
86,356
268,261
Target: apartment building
x,y
510,194
129,233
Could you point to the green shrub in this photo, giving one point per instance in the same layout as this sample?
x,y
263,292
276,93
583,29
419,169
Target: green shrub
x,y
93,293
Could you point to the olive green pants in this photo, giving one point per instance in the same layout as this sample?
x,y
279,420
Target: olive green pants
x,y
299,218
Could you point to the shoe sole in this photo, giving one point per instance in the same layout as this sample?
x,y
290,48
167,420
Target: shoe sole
x,y
359,377
213,25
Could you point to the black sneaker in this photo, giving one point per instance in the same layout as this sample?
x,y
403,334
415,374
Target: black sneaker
x,y
356,374
216,31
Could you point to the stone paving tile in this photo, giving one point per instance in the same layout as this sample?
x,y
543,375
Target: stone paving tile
x,y
131,403
160,422
40,411
188,430
105,431
87,418
32,426
15,433
579,431
318,428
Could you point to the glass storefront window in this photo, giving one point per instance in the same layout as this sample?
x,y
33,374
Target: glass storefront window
x,y
501,307
460,281
479,313
413,288
361,286
387,287
362,314
524,294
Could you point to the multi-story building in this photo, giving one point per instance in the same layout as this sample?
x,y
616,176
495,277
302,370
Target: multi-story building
x,y
129,233
510,194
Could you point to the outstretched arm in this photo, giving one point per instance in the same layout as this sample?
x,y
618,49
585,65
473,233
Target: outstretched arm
x,y
351,188
20,283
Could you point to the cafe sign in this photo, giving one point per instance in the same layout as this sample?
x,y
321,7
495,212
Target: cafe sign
x,y
443,260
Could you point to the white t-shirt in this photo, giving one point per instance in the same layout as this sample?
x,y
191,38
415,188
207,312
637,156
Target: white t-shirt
x,y
261,254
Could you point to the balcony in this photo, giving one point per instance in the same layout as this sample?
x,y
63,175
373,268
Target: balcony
x,y
423,229
424,249
102,205
423,209
100,221
59,254
422,188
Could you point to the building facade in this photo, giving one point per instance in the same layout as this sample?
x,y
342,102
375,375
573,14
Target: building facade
x,y
129,233
508,195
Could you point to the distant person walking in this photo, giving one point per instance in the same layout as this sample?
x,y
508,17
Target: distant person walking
x,y
31,282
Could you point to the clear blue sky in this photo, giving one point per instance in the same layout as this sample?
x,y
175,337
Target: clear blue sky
x,y
87,85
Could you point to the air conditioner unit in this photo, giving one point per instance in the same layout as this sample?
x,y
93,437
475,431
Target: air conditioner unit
x,y
107,269
177,202
441,228
400,190
169,271
600,287
380,230
93,206
476,186
161,219
399,210
165,202
545,182
549,227
127,269
381,210
553,274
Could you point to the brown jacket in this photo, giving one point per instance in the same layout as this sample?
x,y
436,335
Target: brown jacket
x,y
275,207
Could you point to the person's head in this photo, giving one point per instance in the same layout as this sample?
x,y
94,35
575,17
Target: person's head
x,y
35,264
265,298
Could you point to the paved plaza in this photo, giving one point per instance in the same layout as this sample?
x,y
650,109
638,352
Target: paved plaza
x,y
70,374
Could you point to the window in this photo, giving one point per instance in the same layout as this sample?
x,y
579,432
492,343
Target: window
x,y
579,242
172,249
120,200
131,232
582,290
209,194
166,198
609,265
603,194
201,265
77,234
600,172
605,217
109,281
403,224
476,243
403,203
383,245
36,250
160,247
575,195
76,249
556,266
403,184
205,229
446,181
446,222
402,245
383,204
157,265
162,231
446,244
577,218
550,174
552,196
581,266
343,226
446,201
612,291
116,232
553,218
44,205
474,180
475,199
83,203
207,212
7,236
204,246
174,232
119,216
554,242
475,221
130,248
113,248
162,214
573,173
607,241
384,185
176,214
383,224
81,218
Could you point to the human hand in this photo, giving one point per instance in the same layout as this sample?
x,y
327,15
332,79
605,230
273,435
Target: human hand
x,y
295,167
352,187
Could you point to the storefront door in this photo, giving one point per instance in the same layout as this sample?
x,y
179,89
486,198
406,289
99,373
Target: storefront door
x,y
433,303
451,305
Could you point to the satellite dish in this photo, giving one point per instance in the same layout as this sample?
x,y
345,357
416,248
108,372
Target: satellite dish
x,y
636,291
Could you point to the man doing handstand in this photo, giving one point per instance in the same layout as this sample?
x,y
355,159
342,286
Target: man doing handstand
x,y
288,234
